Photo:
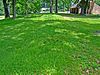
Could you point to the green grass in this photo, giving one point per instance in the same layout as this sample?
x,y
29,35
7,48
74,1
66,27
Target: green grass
x,y
50,45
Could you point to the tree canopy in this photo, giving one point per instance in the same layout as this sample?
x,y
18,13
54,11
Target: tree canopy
x,y
97,1
24,7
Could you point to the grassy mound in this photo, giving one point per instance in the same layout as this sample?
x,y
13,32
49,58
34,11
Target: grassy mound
x,y
50,45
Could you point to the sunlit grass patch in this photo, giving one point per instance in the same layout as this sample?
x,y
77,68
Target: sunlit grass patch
x,y
49,44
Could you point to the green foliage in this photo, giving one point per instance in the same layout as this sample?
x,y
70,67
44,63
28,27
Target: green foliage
x,y
97,1
28,6
64,4
1,7
34,6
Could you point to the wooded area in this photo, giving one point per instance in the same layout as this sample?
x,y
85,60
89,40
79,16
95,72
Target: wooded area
x,y
34,6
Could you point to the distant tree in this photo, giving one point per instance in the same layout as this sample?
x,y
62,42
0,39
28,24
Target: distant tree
x,y
25,7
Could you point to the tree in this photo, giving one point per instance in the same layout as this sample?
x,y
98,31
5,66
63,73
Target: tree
x,y
25,7
64,4
86,7
1,7
14,8
91,5
6,8
56,5
51,6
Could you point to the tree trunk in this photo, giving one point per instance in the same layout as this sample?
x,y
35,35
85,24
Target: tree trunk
x,y
51,6
91,7
86,7
82,5
26,9
14,8
6,9
63,6
56,6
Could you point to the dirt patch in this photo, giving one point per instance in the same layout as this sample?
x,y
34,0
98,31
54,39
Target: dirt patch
x,y
2,17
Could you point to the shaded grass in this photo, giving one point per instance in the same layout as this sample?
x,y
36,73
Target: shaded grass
x,y
81,16
49,44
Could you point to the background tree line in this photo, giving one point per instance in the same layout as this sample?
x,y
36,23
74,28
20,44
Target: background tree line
x,y
24,7
30,6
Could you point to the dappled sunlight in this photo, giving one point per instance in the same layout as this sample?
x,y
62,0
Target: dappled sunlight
x,y
74,33
33,41
18,37
13,27
56,49
45,17
69,32
69,44
68,18
17,30
48,44
6,36
42,26
21,34
2,17
61,30
14,37
50,71
27,28
53,23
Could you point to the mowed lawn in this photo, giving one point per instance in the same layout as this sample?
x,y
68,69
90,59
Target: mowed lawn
x,y
50,45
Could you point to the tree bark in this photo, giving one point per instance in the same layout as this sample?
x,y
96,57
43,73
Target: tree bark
x,y
51,6
6,9
56,6
63,6
14,8
86,7
91,6
82,6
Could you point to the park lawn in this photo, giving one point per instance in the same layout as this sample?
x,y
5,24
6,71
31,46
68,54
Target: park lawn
x,y
48,44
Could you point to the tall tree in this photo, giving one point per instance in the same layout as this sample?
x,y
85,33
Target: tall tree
x,y
83,5
1,7
91,5
86,7
6,8
56,4
51,6
14,8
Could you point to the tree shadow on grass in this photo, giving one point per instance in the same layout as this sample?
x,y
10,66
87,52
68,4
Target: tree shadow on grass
x,y
80,16
71,25
39,45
